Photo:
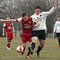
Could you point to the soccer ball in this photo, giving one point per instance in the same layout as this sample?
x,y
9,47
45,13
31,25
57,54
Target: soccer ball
x,y
20,49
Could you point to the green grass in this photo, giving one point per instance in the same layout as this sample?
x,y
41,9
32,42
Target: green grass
x,y
49,52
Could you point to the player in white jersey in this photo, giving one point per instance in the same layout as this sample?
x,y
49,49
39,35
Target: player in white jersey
x,y
39,28
57,29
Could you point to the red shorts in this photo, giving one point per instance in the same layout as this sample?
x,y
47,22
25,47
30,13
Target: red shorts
x,y
9,35
26,37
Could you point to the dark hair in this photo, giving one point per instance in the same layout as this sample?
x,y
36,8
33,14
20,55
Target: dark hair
x,y
24,14
37,7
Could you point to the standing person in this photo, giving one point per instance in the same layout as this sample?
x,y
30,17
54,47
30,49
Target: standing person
x,y
39,29
8,26
57,30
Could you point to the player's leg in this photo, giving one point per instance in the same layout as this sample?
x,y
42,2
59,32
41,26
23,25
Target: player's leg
x,y
24,41
8,44
28,53
32,46
42,38
24,46
59,41
34,40
42,43
30,40
9,37
58,36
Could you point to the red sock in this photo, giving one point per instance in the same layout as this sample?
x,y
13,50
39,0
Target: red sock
x,y
24,49
8,44
28,53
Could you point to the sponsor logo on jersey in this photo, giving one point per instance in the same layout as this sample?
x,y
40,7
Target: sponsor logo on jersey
x,y
29,22
9,27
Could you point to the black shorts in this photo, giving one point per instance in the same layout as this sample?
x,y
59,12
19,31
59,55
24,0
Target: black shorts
x,y
58,34
40,34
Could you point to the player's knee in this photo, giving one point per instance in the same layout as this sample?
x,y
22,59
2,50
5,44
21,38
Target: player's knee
x,y
42,45
34,39
9,40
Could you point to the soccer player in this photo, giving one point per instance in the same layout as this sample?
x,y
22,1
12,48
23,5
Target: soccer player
x,y
39,29
57,29
26,30
8,26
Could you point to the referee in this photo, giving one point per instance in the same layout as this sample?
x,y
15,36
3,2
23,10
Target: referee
x,y
57,30
40,27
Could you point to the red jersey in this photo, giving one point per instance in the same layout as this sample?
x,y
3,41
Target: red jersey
x,y
8,26
26,25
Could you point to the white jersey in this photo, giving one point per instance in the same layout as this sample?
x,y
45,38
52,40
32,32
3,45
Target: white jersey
x,y
57,27
41,19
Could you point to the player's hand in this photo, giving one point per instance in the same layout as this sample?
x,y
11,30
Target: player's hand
x,y
3,34
1,20
36,24
54,4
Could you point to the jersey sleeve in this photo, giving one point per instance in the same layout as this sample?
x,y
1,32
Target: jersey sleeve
x,y
50,11
19,19
4,25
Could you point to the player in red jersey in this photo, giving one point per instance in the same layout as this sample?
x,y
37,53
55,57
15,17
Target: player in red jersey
x,y
27,25
9,32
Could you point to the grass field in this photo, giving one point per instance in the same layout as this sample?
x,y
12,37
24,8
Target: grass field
x,y
49,52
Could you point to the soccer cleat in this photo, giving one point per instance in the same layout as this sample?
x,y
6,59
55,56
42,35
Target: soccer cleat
x,y
8,48
31,51
27,57
37,54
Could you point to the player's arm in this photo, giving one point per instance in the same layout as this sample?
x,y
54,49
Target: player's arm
x,y
2,20
11,20
54,30
51,10
3,33
35,22
19,19
13,28
16,20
